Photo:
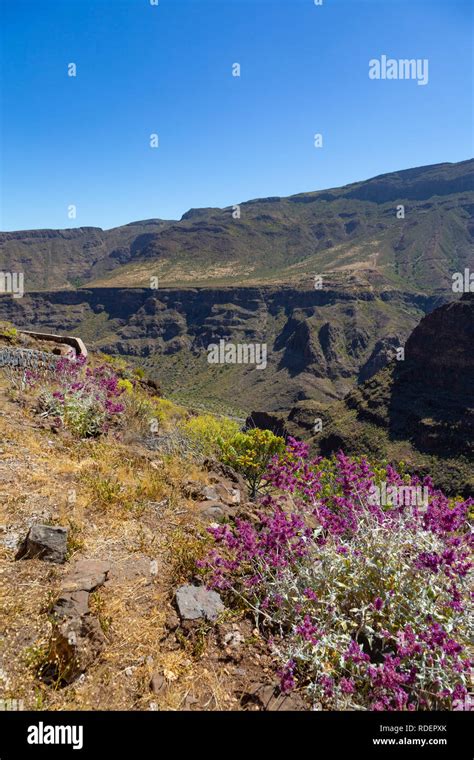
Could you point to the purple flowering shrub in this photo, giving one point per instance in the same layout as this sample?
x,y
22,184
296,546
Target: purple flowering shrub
x,y
365,606
82,398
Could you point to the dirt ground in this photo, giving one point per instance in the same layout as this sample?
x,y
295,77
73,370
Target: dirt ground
x,y
147,661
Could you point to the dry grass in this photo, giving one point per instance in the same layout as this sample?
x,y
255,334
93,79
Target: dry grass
x,y
121,504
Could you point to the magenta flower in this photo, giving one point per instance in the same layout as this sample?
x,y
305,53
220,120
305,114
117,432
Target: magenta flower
x,y
347,686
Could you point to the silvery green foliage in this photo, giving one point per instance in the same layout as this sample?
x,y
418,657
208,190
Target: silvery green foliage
x,y
82,414
82,398
367,591
365,604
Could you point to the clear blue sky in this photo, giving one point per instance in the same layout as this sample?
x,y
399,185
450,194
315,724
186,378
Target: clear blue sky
x,y
143,69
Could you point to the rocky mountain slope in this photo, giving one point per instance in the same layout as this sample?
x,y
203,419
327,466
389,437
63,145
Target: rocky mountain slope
x,y
65,258
355,227
319,342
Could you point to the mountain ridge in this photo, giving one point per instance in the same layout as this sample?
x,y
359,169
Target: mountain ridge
x,y
352,228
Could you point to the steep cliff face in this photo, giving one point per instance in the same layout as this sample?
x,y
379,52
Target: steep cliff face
x,y
420,410
429,397
441,349
319,342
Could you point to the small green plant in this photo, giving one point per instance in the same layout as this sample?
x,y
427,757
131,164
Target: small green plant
x,y
74,540
39,659
125,385
187,549
9,332
106,491
97,607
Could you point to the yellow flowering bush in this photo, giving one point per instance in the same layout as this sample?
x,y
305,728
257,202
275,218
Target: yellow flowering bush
x,y
205,431
250,453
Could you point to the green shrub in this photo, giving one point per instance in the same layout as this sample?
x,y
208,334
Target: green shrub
x,y
9,332
250,453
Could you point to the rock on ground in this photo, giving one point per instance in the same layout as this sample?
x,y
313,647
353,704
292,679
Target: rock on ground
x,y
46,542
77,637
195,602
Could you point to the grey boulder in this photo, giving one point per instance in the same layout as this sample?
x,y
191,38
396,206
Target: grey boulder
x,y
47,542
195,602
